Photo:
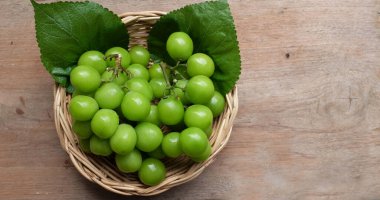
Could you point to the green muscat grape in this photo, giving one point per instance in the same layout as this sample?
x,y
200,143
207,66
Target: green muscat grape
x,y
104,123
124,139
157,153
181,73
153,116
100,147
138,71
139,85
83,108
170,111
179,46
199,116
82,129
159,87
130,162
85,145
149,136
178,91
155,71
216,104
139,55
152,172
135,106
109,95
85,78
94,59
199,89
171,146
120,79
200,64
123,54
193,141
204,156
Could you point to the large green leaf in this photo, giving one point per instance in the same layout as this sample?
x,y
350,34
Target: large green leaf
x,y
212,29
65,30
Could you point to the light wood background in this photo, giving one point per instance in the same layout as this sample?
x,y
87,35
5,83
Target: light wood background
x,y
308,126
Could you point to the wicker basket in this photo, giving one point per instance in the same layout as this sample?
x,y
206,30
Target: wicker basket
x,y
102,170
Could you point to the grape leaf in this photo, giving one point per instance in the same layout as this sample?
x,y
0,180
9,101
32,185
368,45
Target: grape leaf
x,y
65,30
212,29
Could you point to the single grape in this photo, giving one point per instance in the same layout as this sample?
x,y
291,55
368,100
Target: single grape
x,y
94,59
82,129
157,153
85,78
139,55
149,136
83,108
181,73
216,104
104,123
193,141
170,111
199,116
100,147
135,106
179,46
153,116
159,87
152,172
200,64
109,96
123,54
139,85
204,156
199,89
130,162
155,71
138,71
120,79
171,146
124,139
180,94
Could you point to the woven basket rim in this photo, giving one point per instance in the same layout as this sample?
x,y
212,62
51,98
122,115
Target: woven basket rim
x,y
101,170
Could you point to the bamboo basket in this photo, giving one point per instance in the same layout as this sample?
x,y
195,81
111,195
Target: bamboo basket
x,y
102,170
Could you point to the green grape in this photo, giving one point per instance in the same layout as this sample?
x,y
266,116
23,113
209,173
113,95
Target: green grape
x,y
120,79
135,106
139,55
104,123
100,147
171,146
179,46
155,71
83,108
181,73
180,94
138,71
109,96
159,87
130,162
199,116
139,85
82,129
216,104
85,78
193,141
124,56
157,153
204,156
153,116
199,89
94,59
149,136
124,139
170,111
85,145
200,64
152,172
77,92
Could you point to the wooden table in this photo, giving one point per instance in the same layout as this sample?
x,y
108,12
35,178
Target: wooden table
x,y
308,125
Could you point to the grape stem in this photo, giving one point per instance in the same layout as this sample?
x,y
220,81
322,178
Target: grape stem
x,y
163,68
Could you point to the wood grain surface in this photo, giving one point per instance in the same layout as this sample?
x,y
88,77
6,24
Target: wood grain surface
x,y
308,125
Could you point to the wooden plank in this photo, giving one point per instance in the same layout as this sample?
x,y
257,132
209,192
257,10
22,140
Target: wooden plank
x,y
307,127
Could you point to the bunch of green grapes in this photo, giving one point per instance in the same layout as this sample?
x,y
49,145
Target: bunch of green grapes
x,y
122,105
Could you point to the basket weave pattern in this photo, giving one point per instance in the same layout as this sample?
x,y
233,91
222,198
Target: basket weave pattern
x,y
103,170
